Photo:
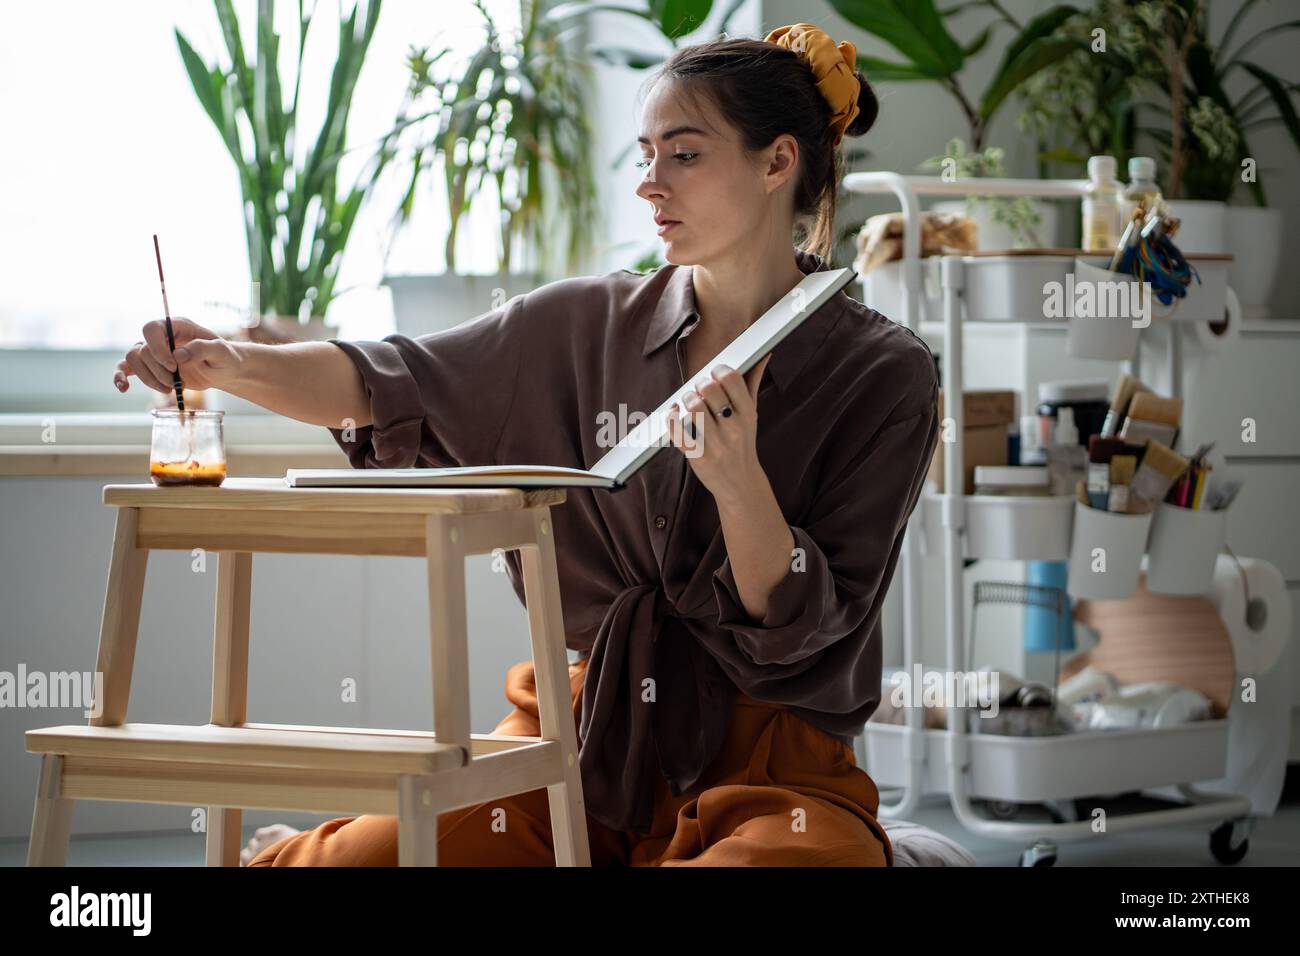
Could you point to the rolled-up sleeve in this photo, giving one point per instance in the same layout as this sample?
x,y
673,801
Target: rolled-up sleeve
x,y
846,548
440,400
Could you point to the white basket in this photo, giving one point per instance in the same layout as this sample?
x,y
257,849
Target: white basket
x,y
1006,527
1059,767
1204,301
1013,288
1184,546
1111,337
1122,538
997,288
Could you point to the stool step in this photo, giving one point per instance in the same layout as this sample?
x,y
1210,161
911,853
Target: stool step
x,y
262,746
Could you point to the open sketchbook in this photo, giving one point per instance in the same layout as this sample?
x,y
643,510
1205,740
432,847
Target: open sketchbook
x,y
637,447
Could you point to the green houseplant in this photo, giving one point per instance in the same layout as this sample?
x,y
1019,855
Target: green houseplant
x,y
918,31
514,118
508,121
1019,216
1160,87
297,214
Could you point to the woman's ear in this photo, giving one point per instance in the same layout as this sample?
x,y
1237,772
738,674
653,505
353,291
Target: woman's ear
x,y
782,161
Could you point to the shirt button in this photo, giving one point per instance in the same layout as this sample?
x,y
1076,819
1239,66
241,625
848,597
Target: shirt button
x,y
661,521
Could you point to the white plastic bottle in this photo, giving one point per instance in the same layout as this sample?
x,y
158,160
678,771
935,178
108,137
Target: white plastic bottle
x,y
1102,224
1142,189
1067,460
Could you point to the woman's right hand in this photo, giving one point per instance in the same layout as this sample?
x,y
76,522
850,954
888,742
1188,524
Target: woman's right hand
x,y
205,359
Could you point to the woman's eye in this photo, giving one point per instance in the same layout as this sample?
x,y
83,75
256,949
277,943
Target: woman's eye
x,y
687,157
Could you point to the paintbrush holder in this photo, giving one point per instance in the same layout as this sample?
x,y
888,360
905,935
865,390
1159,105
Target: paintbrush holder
x,y
1185,543
1106,551
188,448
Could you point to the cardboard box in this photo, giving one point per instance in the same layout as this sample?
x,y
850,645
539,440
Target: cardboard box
x,y
984,435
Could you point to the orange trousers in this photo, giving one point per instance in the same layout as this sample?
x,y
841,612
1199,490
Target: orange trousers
x,y
781,792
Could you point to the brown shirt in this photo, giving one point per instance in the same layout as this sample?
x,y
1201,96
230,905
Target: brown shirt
x,y
848,422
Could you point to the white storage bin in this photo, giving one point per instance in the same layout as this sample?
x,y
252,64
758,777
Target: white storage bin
x,y
882,290
1204,302
1060,767
1122,538
1101,335
1183,549
1012,288
1011,528
1006,527
1009,288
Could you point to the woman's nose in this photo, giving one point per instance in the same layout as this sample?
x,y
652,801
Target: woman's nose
x,y
650,187
650,184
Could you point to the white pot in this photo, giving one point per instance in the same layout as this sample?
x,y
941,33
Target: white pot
x,y
994,235
1106,551
1184,545
1203,225
434,303
1255,241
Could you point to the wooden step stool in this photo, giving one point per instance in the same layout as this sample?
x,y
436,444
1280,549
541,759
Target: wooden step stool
x,y
230,764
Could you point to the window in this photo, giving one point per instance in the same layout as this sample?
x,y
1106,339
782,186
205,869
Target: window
x,y
106,144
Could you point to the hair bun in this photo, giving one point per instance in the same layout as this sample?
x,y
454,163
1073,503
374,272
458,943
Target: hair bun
x,y
868,108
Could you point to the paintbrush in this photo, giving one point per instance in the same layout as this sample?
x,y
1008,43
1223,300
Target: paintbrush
x,y
171,339
1160,468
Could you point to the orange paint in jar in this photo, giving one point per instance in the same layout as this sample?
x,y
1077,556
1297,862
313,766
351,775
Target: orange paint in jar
x,y
187,473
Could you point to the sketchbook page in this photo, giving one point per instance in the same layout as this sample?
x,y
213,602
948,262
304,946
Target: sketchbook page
x,y
497,474
745,351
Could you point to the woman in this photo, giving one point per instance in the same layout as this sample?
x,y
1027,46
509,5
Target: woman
x,y
726,604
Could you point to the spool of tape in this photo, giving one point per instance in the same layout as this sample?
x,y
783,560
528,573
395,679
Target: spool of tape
x,y
1215,337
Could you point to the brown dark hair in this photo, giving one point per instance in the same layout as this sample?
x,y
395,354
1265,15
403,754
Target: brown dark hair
x,y
765,90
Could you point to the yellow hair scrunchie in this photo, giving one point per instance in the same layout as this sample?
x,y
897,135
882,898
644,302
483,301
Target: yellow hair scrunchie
x,y
833,68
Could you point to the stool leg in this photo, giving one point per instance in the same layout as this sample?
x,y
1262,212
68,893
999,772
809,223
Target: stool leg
x,y
417,822
229,686
554,702
52,817
223,839
121,621
445,547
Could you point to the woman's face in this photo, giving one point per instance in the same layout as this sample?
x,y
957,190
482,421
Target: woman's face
x,y
711,196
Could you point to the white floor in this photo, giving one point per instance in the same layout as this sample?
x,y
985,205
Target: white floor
x,y
1274,842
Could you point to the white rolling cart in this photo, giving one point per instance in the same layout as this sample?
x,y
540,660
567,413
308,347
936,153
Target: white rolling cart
x,y
991,767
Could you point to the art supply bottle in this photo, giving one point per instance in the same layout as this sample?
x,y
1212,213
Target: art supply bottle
x,y
1102,224
1142,189
1067,460
1032,451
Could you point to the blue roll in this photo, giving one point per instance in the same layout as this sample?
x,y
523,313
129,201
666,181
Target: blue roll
x,y
1043,627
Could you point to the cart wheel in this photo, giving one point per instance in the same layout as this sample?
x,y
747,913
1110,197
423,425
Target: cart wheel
x,y
1003,809
1222,847
1040,854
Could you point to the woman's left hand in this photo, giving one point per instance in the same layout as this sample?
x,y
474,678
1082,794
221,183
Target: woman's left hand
x,y
723,451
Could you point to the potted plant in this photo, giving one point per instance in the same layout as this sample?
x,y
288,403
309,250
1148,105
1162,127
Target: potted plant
x,y
1217,157
297,214
917,30
1001,222
1159,87
509,123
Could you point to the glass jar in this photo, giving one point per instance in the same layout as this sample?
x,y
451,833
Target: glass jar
x,y
188,447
